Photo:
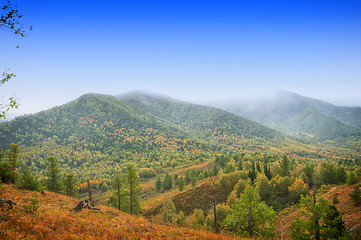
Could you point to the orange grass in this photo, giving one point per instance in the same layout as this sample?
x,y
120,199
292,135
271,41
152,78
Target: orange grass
x,y
54,220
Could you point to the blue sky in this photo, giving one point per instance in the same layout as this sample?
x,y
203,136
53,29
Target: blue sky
x,y
192,50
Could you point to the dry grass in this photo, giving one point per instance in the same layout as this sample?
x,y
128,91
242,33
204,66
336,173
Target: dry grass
x,y
55,220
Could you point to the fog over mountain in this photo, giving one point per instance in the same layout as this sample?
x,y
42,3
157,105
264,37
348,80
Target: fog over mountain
x,y
297,115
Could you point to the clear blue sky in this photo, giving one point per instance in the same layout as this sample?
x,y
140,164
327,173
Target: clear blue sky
x,y
189,49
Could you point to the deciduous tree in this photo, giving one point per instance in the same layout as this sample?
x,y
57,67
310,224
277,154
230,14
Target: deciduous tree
x,y
11,21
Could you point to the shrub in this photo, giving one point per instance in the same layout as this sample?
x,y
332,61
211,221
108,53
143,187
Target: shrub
x,y
32,207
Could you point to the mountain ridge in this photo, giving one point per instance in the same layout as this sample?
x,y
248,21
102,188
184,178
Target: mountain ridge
x,y
299,116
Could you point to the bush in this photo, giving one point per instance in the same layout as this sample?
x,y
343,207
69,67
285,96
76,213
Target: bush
x,y
32,207
147,173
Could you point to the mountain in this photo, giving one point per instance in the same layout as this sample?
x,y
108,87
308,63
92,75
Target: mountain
x,y
97,135
299,116
199,121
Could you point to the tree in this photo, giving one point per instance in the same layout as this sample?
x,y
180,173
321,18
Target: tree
x,y
252,172
285,167
27,180
263,187
355,195
351,178
6,174
104,187
158,184
322,221
180,183
70,184
267,171
52,174
167,182
10,20
251,216
119,198
132,183
297,189
168,210
12,158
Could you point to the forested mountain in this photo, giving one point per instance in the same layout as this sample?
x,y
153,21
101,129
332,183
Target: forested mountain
x,y
191,162
299,116
199,121
96,134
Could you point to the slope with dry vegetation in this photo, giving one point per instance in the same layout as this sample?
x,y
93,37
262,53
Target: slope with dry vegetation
x,y
55,220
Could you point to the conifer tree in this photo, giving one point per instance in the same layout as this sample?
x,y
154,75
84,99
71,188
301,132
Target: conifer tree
x,y
70,184
351,178
250,216
12,158
27,180
355,195
322,221
180,183
53,176
158,184
285,167
134,189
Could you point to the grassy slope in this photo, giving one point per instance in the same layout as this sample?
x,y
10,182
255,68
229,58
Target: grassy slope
x,y
54,220
351,214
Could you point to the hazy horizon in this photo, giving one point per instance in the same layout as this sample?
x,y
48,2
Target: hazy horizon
x,y
196,51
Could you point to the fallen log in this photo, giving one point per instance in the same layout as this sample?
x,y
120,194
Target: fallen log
x,y
85,204
10,204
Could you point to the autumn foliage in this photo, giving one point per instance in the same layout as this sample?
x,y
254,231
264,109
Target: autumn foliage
x,y
55,220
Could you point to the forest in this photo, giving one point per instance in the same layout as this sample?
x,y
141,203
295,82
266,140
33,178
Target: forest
x,y
159,160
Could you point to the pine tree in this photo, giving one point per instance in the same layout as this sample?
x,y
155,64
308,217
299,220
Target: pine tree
x,y
53,176
322,221
285,167
158,184
180,183
252,172
355,195
251,216
27,180
134,189
70,184
351,178
12,158
6,174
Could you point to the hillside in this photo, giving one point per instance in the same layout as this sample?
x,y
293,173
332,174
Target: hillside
x,y
300,116
349,211
100,134
55,220
96,135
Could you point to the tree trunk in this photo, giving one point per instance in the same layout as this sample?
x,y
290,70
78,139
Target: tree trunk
x,y
317,225
90,194
85,204
131,197
250,221
215,216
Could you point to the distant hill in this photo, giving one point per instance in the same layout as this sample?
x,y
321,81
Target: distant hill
x,y
299,116
96,135
199,121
